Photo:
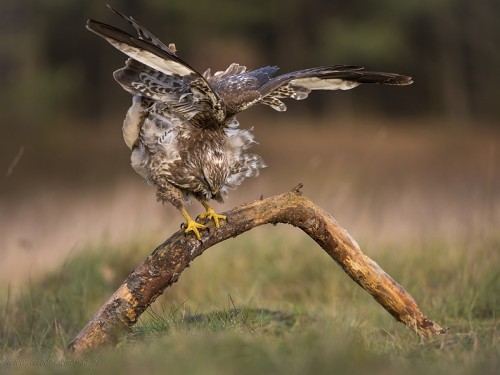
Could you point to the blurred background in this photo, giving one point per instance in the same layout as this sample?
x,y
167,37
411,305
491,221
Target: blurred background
x,y
392,164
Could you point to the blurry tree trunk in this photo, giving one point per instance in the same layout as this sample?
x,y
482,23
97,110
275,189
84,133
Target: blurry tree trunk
x,y
482,37
451,72
164,266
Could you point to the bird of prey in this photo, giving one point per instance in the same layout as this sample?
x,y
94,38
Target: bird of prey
x,y
182,128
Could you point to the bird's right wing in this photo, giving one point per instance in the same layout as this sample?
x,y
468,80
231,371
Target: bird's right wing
x,y
156,72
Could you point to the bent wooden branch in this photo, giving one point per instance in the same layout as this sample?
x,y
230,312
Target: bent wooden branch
x,y
164,266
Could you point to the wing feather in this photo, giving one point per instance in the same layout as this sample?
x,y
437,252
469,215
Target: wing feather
x,y
297,85
144,33
141,50
197,100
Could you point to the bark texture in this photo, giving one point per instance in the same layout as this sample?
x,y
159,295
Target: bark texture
x,y
163,267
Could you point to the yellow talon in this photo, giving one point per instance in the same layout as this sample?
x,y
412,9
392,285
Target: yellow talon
x,y
191,225
210,214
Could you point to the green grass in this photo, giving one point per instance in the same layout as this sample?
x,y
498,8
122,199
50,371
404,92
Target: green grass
x,y
267,302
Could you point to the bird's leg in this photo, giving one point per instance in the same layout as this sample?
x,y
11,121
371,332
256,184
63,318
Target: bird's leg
x,y
210,214
167,192
191,225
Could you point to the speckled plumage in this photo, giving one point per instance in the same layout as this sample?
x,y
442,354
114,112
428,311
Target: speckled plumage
x,y
182,128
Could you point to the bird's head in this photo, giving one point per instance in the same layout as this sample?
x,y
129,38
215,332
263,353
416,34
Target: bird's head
x,y
213,180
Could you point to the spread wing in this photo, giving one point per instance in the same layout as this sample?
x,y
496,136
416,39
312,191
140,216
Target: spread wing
x,y
156,72
241,89
297,85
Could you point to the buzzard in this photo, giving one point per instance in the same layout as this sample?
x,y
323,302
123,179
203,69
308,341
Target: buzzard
x,y
181,127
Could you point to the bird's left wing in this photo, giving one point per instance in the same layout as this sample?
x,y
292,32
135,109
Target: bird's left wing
x,y
241,89
156,72
297,85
